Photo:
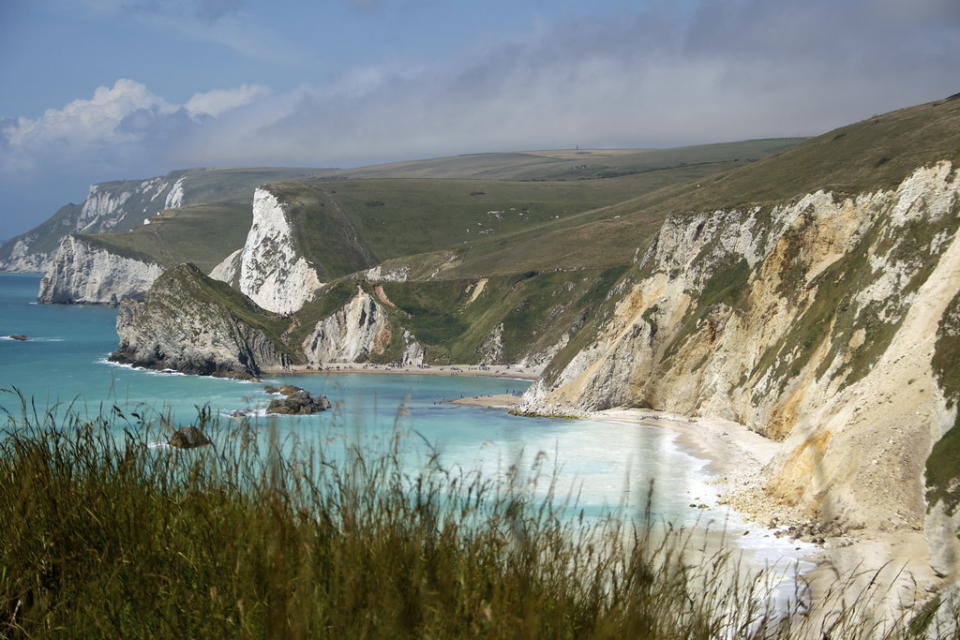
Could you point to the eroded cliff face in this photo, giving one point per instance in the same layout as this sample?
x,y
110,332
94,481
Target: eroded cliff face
x,y
272,272
108,207
229,269
190,323
813,322
84,273
356,332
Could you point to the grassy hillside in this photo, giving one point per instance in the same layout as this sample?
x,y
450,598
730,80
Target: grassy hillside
x,y
209,185
202,234
571,164
877,153
347,225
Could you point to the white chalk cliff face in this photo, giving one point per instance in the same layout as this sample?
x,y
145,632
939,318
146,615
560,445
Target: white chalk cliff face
x,y
355,332
272,273
229,270
108,207
21,258
813,322
84,273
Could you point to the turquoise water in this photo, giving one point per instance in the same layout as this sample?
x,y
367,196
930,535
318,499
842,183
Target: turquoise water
x,y
604,463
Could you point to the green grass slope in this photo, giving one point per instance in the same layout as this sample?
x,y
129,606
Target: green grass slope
x,y
877,153
347,225
202,234
570,164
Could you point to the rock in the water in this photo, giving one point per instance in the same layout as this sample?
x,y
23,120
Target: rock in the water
x,y
18,337
297,401
188,438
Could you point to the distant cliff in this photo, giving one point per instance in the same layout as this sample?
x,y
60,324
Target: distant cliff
x,y
85,272
109,207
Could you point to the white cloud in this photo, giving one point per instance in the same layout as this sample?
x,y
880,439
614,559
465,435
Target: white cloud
x,y
80,125
218,101
727,71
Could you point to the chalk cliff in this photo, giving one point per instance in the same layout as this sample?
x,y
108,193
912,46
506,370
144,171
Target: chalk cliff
x,y
359,331
813,321
191,323
272,271
83,272
109,207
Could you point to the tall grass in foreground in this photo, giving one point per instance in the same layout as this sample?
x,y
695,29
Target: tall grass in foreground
x,y
103,536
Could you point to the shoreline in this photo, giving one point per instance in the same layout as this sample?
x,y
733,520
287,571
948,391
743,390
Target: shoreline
x,y
886,572
453,370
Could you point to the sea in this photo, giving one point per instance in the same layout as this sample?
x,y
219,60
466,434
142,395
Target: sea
x,y
604,466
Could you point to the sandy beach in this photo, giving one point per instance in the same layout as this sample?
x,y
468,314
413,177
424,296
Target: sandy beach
x,y
492,371
886,573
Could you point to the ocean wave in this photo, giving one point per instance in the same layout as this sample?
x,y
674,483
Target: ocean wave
x,y
155,372
166,372
248,413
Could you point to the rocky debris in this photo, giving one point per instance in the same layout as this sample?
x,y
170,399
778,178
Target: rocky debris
x,y
296,401
19,337
188,438
816,532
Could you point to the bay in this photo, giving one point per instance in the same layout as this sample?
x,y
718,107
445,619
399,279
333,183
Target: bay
x,y
604,465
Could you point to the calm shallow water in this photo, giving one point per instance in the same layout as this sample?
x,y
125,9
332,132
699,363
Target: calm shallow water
x,y
605,464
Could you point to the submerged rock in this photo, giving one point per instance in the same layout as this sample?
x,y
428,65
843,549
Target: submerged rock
x,y
188,438
297,401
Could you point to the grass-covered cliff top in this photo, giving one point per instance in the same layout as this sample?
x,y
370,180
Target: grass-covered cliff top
x,y
187,279
347,225
203,234
575,164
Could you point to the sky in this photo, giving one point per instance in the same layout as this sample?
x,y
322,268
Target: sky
x,y
97,90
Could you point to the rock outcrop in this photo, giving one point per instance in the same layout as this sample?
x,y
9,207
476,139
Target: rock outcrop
x,y
188,438
190,323
83,272
229,270
272,272
355,332
297,401
813,321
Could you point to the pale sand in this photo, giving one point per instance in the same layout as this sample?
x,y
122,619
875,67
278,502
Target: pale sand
x,y
497,401
881,573
493,371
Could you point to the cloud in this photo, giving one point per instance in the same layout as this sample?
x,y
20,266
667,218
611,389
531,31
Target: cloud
x,y
80,125
219,22
727,70
208,11
722,71
119,123
216,102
